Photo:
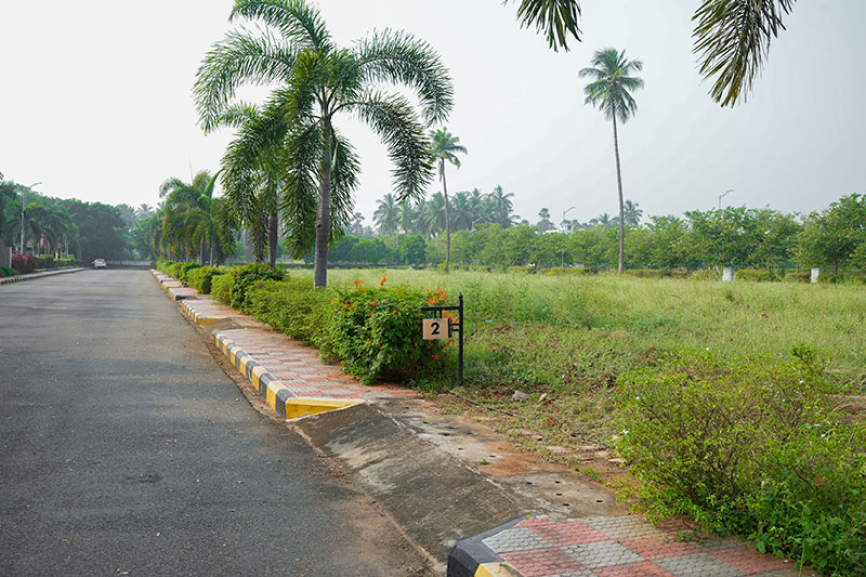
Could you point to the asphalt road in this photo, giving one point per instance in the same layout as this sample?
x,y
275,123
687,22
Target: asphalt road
x,y
125,450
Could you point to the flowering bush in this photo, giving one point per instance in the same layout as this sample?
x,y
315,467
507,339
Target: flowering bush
x,y
23,263
4,271
377,332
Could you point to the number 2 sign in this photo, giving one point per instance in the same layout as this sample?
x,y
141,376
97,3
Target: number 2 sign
x,y
436,329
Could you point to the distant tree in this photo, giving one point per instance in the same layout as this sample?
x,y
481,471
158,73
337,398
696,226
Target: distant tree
x,y
101,231
632,213
500,204
610,91
834,235
414,250
545,223
387,214
129,216
445,149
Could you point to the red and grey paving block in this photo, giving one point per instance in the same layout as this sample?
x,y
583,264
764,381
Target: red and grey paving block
x,y
606,546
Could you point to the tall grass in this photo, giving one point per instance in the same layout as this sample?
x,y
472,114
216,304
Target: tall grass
x,y
562,333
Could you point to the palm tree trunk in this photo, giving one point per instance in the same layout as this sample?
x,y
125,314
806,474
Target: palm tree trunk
x,y
621,204
203,251
323,225
273,234
447,216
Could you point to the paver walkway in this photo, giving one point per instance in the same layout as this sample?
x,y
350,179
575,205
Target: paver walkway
x,y
625,546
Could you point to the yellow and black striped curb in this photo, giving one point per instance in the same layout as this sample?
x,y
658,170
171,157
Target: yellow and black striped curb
x,y
472,558
34,276
197,317
277,395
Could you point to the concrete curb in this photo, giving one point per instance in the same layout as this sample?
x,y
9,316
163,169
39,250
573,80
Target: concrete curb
x,y
472,558
277,395
37,275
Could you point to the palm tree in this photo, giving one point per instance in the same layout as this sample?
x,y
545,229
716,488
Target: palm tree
x,y
192,215
445,148
315,81
732,37
463,215
610,90
386,214
500,206
433,215
632,213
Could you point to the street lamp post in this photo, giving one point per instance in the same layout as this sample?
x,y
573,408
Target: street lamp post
x,y
24,213
564,212
723,195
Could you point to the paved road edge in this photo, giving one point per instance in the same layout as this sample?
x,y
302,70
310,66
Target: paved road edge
x,y
472,558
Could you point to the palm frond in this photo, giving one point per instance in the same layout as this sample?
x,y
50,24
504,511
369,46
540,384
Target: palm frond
x,y
400,58
240,58
556,19
732,39
394,119
294,18
299,196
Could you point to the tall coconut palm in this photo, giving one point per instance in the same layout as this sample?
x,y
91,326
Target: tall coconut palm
x,y
610,91
500,204
445,149
386,214
315,81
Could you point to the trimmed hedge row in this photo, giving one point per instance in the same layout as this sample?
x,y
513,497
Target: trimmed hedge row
x,y
374,332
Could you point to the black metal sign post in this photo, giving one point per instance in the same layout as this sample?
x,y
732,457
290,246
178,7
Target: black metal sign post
x,y
433,330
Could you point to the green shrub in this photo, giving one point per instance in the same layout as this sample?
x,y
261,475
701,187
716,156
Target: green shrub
x,y
798,277
647,272
6,271
221,288
520,270
705,274
841,278
753,275
246,277
754,447
201,278
44,261
567,271
182,269
292,306
474,268
377,332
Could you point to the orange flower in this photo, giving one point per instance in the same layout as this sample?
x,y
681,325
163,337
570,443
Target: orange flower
x,y
372,303
383,281
395,312
436,357
359,282
432,301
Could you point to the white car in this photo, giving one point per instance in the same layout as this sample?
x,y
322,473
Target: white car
x,y
99,263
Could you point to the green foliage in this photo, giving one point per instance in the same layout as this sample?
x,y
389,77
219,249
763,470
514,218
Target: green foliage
x,y
292,306
221,288
648,272
6,272
753,275
798,277
567,271
246,277
753,447
201,278
376,332
706,274
180,271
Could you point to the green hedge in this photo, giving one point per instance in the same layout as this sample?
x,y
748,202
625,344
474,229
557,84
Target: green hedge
x,y
292,306
754,447
798,277
6,271
753,275
201,278
221,288
567,271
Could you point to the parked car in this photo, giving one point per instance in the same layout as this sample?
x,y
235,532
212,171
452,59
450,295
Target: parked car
x,y
99,263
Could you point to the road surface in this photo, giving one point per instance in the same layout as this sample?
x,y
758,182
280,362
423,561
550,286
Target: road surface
x,y
126,450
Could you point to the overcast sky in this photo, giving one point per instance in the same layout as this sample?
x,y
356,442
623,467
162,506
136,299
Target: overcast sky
x,y
96,104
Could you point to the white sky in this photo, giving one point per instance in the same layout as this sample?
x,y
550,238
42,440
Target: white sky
x,y
95,102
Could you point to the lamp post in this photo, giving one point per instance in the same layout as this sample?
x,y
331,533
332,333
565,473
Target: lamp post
x,y
24,213
723,195
564,212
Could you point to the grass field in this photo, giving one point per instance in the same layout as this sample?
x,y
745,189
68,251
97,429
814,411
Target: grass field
x,y
567,334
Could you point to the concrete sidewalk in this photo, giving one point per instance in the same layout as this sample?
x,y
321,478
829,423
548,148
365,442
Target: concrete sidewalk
x,y
515,515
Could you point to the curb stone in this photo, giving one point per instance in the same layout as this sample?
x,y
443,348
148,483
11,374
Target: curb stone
x,y
36,275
